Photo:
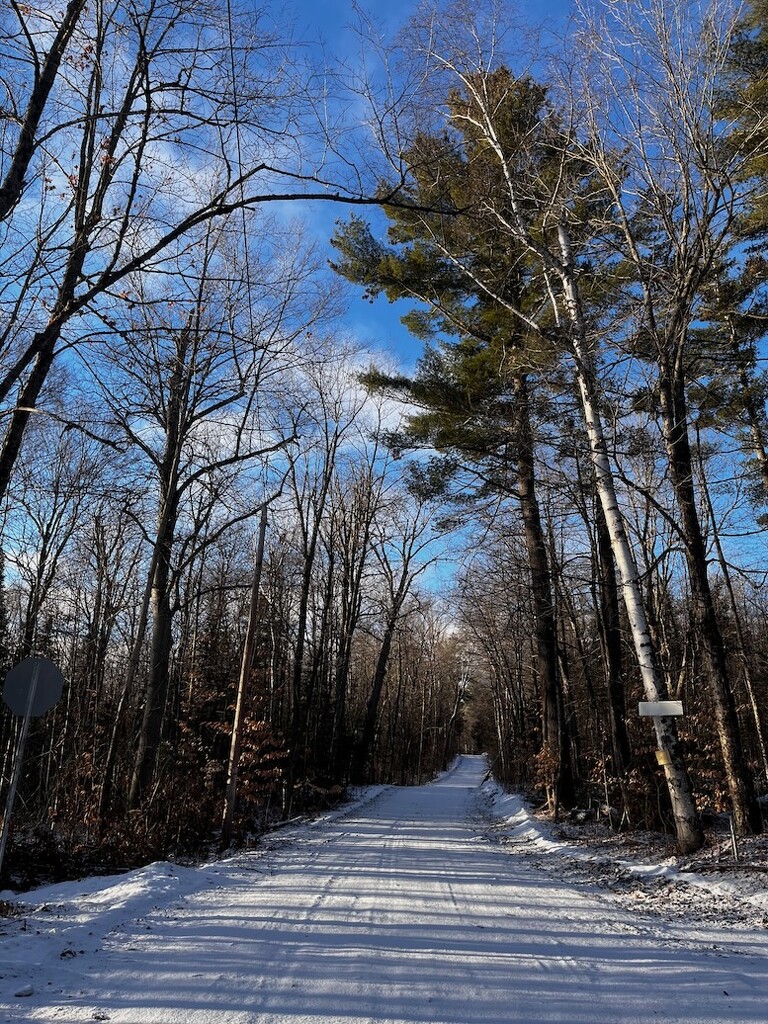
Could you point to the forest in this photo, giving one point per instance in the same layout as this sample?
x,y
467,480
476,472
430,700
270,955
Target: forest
x,y
273,561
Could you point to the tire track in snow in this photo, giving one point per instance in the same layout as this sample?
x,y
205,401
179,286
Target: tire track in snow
x,y
398,911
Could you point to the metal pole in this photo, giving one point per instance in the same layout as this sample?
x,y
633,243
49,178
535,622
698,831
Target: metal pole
x,y
16,774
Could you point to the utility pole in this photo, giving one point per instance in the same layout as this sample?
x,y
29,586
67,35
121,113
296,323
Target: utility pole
x,y
242,688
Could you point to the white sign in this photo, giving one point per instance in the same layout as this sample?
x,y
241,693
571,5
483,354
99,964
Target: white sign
x,y
660,708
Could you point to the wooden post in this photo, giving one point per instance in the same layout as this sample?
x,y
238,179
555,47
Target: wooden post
x,y
242,688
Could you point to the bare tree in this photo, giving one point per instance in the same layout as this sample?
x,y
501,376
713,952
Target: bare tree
x,y
132,126
332,430
402,540
51,495
182,374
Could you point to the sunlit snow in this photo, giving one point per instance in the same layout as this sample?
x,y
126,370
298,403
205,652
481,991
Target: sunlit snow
x,y
403,907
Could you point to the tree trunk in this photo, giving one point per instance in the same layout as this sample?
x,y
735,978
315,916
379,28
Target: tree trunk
x,y
687,826
160,651
25,406
15,179
746,810
609,624
364,746
749,684
299,711
554,735
159,667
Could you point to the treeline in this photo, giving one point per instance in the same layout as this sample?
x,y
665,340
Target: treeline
x,y
352,674
171,366
225,527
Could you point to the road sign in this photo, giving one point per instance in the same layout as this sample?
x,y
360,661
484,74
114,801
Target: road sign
x,y
660,708
32,687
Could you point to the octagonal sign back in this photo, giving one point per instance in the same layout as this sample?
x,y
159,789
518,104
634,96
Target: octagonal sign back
x,y
32,687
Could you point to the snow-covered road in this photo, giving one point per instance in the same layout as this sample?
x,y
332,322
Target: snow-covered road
x,y
402,909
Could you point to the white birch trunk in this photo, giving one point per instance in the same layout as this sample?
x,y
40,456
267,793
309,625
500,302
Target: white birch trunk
x,y
689,834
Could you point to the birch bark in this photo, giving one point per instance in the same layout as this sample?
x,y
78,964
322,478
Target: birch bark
x,y
687,827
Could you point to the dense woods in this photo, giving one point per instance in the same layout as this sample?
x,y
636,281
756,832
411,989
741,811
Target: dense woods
x,y
271,564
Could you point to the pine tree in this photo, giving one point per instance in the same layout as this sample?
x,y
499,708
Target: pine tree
x,y
476,287
507,167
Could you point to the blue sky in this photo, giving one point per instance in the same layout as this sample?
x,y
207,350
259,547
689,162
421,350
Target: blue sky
x,y
332,16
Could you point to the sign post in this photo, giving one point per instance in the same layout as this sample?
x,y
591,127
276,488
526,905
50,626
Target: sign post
x,y
31,688
661,709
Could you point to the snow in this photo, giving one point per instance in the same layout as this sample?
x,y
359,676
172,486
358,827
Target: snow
x,y
445,903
